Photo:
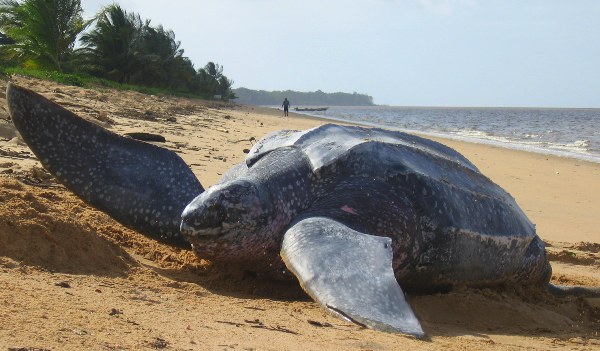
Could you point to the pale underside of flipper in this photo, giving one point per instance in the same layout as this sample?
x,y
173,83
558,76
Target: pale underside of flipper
x,y
142,186
349,273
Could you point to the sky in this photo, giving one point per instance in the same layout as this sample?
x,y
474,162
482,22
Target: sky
x,y
532,53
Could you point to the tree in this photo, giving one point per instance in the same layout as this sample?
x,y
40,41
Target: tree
x,y
163,62
113,49
121,47
214,70
125,48
5,40
211,81
181,74
43,31
225,88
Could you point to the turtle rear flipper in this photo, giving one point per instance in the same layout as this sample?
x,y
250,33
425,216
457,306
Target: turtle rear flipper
x,y
349,273
142,186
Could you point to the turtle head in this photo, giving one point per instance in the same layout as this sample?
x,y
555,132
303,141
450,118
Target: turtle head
x,y
227,216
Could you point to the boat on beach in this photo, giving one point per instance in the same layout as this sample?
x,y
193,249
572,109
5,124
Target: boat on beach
x,y
305,109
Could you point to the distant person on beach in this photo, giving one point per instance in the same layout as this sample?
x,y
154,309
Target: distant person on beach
x,y
286,106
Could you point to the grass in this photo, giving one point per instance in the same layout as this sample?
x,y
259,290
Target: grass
x,y
87,81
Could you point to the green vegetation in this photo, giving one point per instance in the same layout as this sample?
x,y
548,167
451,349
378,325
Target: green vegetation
x,y
37,38
317,98
64,78
44,32
84,80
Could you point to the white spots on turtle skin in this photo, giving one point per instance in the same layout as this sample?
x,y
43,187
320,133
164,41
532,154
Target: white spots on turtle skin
x,y
106,170
445,187
283,183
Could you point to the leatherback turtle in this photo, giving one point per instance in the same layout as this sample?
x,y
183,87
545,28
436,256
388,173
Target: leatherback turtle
x,y
353,213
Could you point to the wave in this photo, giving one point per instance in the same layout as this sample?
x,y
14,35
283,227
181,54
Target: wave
x,y
579,149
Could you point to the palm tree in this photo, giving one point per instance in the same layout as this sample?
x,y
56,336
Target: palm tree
x,y
163,62
113,49
204,83
180,73
43,31
210,81
214,70
124,48
225,88
5,40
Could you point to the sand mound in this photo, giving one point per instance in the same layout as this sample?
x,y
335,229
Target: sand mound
x,y
34,230
53,230
48,228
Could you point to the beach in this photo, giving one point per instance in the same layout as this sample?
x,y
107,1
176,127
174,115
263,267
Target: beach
x,y
71,278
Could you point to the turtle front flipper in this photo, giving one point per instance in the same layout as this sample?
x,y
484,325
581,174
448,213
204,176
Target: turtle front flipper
x,y
142,186
349,273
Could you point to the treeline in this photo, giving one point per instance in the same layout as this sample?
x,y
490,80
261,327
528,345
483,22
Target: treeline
x,y
316,98
116,45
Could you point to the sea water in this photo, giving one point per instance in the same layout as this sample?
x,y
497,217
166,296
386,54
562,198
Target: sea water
x,y
573,133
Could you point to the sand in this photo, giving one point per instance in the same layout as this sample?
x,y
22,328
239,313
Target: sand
x,y
71,278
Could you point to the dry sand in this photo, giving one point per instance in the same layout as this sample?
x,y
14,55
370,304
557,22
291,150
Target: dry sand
x,y
71,278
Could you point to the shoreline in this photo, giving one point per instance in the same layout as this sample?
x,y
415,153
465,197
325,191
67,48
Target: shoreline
x,y
498,141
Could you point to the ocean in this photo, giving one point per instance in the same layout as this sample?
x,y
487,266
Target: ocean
x,y
568,132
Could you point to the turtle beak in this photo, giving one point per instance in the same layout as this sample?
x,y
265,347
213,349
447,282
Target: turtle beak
x,y
202,220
